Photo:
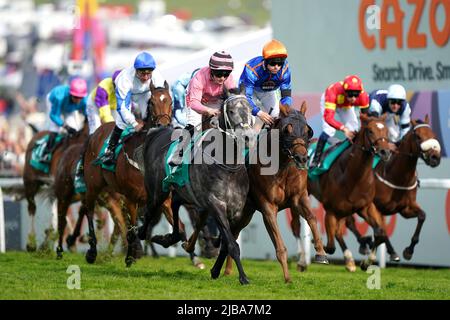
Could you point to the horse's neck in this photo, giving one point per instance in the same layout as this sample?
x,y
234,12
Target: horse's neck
x,y
404,159
359,161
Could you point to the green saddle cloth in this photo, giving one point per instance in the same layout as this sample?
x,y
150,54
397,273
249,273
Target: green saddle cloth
x,y
112,167
38,153
330,157
179,174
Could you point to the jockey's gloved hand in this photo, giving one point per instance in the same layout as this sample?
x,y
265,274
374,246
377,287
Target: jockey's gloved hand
x,y
69,129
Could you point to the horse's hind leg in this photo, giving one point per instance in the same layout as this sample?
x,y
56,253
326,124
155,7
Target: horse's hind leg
x,y
364,242
135,250
62,222
330,227
31,188
72,238
348,256
412,212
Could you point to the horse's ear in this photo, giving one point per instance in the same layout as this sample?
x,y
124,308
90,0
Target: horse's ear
x,y
284,109
384,117
242,89
152,86
303,108
166,85
427,119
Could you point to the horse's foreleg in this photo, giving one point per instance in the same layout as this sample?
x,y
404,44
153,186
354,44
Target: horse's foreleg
x,y
348,256
374,218
421,215
72,238
135,250
269,212
304,208
364,242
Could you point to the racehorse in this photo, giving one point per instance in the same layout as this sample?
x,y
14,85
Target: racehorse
x,y
349,186
127,179
217,187
286,188
34,179
397,182
64,191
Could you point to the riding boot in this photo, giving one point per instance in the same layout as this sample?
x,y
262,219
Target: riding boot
x,y
49,147
109,155
319,150
175,161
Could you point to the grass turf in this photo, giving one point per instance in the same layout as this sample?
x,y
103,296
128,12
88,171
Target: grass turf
x,y
41,276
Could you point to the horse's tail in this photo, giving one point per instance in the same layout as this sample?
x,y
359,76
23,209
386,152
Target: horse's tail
x,y
48,192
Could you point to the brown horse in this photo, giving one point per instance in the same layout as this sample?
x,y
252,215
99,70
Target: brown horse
x,y
396,183
34,179
65,195
349,186
287,188
127,179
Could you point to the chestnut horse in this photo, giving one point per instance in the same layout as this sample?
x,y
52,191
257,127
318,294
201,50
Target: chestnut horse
x,y
127,179
34,180
287,188
349,186
397,182
64,191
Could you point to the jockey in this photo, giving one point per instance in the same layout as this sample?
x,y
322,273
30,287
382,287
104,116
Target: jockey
x,y
393,102
341,98
64,103
205,93
179,88
132,88
100,102
205,90
263,76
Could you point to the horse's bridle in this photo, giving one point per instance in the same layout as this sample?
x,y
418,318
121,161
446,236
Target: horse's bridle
x,y
372,148
288,144
155,118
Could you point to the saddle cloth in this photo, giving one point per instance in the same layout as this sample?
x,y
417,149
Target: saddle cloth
x,y
38,153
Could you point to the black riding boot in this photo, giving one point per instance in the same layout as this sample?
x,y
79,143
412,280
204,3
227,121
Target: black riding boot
x,y
174,160
319,150
49,147
108,157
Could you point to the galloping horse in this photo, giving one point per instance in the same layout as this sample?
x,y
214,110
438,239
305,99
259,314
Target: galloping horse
x,y
65,195
287,188
397,182
349,186
34,179
127,179
216,188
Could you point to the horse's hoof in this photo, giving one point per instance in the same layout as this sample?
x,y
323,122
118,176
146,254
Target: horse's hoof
x,y
350,265
129,261
364,265
394,257
330,250
59,253
301,267
407,254
321,259
214,274
91,256
244,280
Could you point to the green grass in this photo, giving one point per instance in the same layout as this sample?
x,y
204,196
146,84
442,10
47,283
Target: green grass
x,y
34,276
250,9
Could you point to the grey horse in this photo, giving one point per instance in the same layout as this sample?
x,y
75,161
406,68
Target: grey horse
x,y
216,187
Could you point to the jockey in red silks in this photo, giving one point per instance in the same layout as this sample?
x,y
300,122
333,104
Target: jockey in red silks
x,y
341,97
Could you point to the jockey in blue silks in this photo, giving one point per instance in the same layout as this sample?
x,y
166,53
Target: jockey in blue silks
x,y
263,76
